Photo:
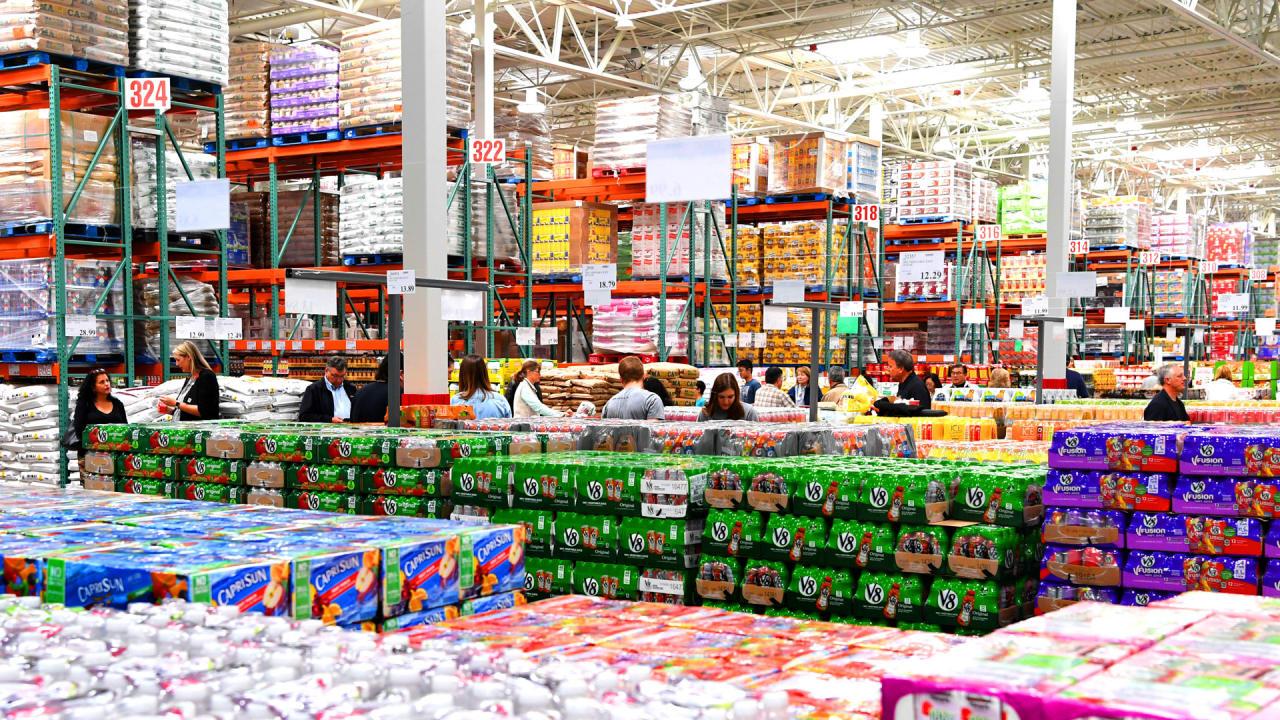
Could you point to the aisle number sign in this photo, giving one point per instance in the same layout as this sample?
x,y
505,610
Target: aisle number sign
x,y
988,233
1257,274
1078,246
147,94
1208,267
488,151
1148,257
866,213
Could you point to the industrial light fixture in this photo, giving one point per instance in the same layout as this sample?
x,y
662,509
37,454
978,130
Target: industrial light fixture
x,y
531,105
1128,126
694,78
944,145
624,22
914,47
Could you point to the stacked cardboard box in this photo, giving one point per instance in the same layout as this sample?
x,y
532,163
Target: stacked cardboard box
x,y
26,193
939,190
568,235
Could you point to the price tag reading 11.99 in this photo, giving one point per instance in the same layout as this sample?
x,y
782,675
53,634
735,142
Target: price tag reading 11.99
x,y
488,151
147,94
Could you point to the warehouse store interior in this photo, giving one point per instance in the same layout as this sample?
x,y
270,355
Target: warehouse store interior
x,y
612,359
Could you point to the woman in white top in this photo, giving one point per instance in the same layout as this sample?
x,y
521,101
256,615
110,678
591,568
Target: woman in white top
x,y
528,402
1223,387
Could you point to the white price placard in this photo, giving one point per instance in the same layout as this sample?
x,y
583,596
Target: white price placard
x,y
688,168
402,282
596,297
310,297
1078,247
746,340
1035,306
548,336
974,316
526,336
1075,322
1233,303
147,94
775,318
851,308
1077,284
899,342
866,213
488,151
788,291
191,328
1258,274
462,305
230,328
1115,314
1208,267
1149,257
1135,325
835,343
730,340
1264,327
600,276
202,205
1157,354
877,343
1016,329
987,233
81,326
928,266
762,340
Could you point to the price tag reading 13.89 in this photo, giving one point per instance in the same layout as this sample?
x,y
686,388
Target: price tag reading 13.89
x,y
488,151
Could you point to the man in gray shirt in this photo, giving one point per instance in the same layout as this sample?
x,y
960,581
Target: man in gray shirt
x,y
633,402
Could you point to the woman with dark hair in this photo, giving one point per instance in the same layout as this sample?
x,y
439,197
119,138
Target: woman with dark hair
x,y
95,405
370,405
474,390
526,396
726,401
931,383
655,386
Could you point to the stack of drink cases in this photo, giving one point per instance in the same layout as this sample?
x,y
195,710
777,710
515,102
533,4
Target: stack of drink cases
x,y
1142,512
84,549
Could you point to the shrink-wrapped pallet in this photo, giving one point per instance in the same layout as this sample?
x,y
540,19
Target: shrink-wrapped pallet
x,y
27,166
183,38
304,89
369,75
91,29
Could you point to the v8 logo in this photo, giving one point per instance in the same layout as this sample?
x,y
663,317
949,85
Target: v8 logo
x,y
781,537
467,483
636,543
595,490
948,601
873,593
813,492
572,537
464,450
846,542
879,497
528,581
976,497
389,506
808,586
720,531
591,586
531,487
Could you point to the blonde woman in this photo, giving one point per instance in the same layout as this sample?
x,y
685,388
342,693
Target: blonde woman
x,y
198,399
1000,378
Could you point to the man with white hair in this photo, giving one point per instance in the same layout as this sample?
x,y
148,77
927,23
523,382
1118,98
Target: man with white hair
x,y
1167,405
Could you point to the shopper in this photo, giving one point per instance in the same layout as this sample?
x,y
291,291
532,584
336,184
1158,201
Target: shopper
x,y
199,397
528,396
726,402
1000,378
1167,405
702,394
95,405
655,386
371,403
958,374
474,390
912,398
328,400
633,402
749,384
838,386
770,394
1223,387
1075,381
799,393
931,383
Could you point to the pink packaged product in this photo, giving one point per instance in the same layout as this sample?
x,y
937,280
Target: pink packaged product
x,y
1190,697
1234,605
1135,626
1224,637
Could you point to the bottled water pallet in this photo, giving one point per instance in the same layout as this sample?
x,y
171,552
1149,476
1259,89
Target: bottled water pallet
x,y
184,84
306,138
372,130
373,259
83,231
34,58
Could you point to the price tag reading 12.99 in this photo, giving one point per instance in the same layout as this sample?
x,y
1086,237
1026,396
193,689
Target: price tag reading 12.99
x,y
147,94
488,151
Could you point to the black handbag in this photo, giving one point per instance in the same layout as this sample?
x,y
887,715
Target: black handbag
x,y
71,439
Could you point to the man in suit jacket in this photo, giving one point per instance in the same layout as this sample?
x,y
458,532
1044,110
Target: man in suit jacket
x,y
328,400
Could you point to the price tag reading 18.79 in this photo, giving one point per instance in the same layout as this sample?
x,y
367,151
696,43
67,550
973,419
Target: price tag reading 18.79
x,y
488,151
147,94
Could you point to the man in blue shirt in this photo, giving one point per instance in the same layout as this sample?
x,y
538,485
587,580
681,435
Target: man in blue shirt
x,y
1075,381
328,400
749,384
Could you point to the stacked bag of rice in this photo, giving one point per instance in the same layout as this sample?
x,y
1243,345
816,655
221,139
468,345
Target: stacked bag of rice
x,y
253,399
680,380
204,303
566,388
29,433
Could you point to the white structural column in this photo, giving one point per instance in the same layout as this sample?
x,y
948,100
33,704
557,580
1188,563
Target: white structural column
x,y
483,71
425,221
1061,108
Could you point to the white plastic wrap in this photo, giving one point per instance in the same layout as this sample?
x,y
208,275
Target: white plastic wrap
x,y
631,326
371,220
146,210
458,76
646,240
370,75
625,126
91,29
28,304
304,89
29,434
26,166
183,38
246,100
521,129
204,302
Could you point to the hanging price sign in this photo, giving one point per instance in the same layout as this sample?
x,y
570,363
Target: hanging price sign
x,y
81,326
147,94
488,151
866,213
402,282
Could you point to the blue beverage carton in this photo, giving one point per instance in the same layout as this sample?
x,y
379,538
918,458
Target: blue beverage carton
x,y
420,573
1073,488
337,585
25,561
492,559
430,616
492,603
1143,598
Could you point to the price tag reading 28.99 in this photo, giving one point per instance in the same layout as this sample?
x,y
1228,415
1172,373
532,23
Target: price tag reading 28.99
x,y
147,94
488,151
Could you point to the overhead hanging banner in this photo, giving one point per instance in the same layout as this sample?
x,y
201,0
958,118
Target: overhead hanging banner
x,y
689,168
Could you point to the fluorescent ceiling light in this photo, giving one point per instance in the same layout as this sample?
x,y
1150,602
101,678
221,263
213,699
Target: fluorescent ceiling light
x,y
531,105
858,49
1128,126
914,46
1198,151
1238,172
944,145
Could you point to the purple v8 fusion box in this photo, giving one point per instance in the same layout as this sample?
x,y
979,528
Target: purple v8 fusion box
x,y
1252,451
1153,570
1118,446
1073,488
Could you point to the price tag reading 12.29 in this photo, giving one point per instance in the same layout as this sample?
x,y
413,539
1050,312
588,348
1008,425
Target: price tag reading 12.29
x,y
147,94
488,151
